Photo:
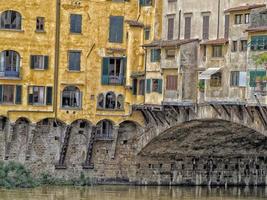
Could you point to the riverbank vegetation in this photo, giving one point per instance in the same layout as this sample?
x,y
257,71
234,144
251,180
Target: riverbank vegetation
x,y
15,175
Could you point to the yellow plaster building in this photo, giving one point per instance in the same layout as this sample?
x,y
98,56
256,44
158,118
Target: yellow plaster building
x,y
74,59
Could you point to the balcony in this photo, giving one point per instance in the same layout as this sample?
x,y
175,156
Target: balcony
x,y
9,74
112,80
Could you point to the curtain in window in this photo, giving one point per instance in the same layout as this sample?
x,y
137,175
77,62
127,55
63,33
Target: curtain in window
x,y
2,62
41,95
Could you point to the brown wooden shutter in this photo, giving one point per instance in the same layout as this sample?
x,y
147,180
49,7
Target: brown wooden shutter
x,y
206,26
187,30
170,28
226,27
171,82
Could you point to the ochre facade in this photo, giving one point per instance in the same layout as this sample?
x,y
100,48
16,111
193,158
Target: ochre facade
x,y
92,42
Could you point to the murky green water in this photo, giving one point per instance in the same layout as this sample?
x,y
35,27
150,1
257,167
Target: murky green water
x,y
134,193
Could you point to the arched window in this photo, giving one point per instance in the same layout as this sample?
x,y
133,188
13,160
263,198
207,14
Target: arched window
x,y
9,63
71,97
110,100
10,20
120,101
104,129
101,101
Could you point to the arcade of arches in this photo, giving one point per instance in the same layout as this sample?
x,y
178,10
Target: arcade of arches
x,y
189,152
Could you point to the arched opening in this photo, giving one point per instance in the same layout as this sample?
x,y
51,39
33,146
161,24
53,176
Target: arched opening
x,y
18,144
3,122
110,100
214,146
10,19
120,102
71,97
9,63
104,129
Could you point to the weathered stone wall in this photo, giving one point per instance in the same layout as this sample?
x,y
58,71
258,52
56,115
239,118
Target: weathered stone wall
x,y
196,152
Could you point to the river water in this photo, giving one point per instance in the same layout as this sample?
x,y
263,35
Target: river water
x,y
134,193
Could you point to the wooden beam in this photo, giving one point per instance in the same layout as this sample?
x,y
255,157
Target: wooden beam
x,y
163,114
226,111
153,117
175,111
238,112
248,111
157,116
263,121
145,116
216,109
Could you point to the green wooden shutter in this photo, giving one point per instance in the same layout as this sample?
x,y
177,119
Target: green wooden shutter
x,y
105,76
32,61
160,86
46,62
75,23
148,85
253,76
134,89
30,97
1,93
49,95
18,94
116,29
124,70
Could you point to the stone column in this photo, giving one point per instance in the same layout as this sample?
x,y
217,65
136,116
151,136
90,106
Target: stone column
x,y
115,132
8,138
31,130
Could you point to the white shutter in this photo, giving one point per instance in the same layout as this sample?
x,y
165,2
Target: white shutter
x,y
242,79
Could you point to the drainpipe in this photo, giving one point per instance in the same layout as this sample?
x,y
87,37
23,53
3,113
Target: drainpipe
x,y
179,25
218,23
57,48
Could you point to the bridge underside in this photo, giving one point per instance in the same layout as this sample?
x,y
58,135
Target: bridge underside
x,y
205,152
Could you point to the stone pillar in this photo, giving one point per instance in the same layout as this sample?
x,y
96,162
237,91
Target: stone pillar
x,y
115,132
8,138
31,130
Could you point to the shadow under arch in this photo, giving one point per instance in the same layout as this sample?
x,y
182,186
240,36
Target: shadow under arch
x,y
23,119
206,137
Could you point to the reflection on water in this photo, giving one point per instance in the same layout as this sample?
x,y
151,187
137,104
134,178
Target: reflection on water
x,y
134,193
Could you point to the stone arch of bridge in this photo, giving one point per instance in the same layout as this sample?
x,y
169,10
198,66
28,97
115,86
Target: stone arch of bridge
x,y
160,120
218,131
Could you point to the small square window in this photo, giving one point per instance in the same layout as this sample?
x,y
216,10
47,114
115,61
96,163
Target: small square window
x,y
155,55
216,80
238,19
234,81
170,53
147,33
74,60
217,51
243,45
247,18
40,24
234,46
75,23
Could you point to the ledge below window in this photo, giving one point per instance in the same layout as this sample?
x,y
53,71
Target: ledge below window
x,y
12,30
106,109
10,78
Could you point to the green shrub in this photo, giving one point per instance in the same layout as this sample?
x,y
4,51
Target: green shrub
x,y
14,174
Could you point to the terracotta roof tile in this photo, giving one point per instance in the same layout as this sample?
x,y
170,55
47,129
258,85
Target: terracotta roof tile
x,y
134,23
257,29
244,7
217,41
169,43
